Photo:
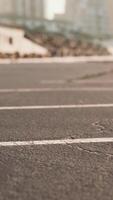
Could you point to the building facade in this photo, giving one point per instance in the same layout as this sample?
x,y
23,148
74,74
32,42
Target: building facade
x,y
110,14
90,16
6,7
22,8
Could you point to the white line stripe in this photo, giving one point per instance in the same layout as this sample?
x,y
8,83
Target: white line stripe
x,y
62,82
27,90
53,81
56,107
56,142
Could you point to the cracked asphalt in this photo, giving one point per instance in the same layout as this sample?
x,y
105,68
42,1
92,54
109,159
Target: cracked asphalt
x,y
53,172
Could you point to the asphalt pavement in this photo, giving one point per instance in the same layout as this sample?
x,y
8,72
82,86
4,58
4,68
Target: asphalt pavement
x,y
56,131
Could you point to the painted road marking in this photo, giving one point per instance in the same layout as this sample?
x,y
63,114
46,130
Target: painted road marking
x,y
53,81
62,82
27,90
56,142
56,107
76,81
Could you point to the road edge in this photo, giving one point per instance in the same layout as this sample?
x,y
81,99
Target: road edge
x,y
81,59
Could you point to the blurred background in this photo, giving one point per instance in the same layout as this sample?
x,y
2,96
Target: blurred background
x,y
63,27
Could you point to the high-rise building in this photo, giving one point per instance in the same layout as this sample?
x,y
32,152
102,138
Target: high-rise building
x,y
18,7
6,7
38,8
30,8
23,8
71,8
90,16
110,14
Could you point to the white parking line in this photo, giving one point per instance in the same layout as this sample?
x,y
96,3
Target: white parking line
x,y
56,107
27,90
58,82
56,142
53,81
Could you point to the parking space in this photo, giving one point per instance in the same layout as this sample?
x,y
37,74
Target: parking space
x,y
69,96
14,76
57,172
56,131
51,124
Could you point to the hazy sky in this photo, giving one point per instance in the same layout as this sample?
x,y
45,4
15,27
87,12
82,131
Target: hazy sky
x,y
53,7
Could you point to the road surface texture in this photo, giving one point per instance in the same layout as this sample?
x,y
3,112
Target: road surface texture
x,y
56,131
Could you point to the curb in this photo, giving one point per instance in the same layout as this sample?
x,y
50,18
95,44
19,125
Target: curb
x,y
82,59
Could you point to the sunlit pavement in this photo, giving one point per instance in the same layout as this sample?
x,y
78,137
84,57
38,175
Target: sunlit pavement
x,y
56,131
